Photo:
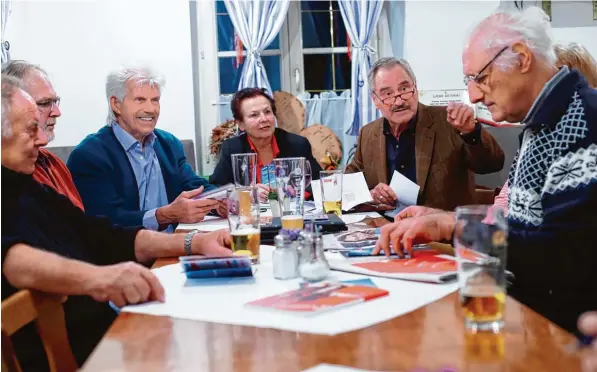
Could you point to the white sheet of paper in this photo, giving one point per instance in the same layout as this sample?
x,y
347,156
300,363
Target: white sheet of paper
x,y
354,191
406,190
225,303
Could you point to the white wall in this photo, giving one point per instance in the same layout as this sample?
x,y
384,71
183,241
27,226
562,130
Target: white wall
x,y
79,42
435,32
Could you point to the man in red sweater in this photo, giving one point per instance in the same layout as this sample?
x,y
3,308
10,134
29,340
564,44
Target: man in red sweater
x,y
49,169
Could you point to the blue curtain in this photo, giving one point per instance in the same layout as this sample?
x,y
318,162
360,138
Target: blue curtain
x,y
360,18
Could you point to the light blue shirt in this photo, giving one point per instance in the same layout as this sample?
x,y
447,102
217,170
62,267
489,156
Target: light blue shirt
x,y
150,181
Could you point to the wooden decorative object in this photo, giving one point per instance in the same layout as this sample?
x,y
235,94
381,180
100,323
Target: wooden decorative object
x,y
327,148
220,134
290,112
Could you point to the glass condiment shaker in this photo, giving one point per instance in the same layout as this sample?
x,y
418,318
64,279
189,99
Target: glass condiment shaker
x,y
285,258
313,265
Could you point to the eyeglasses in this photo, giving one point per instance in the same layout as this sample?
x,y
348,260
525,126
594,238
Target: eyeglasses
x,y
389,100
477,78
48,104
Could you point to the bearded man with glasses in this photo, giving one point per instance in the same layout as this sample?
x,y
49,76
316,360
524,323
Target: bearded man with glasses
x,y
49,169
439,148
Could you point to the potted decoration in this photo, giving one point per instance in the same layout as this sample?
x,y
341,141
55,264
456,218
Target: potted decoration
x,y
272,198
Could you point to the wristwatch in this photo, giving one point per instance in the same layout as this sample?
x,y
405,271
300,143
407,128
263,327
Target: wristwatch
x,y
187,242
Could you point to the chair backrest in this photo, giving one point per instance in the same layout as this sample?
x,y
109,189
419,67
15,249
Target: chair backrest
x,y
46,311
507,138
63,152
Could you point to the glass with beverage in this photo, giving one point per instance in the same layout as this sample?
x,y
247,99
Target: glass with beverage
x,y
243,218
480,241
331,191
291,174
244,169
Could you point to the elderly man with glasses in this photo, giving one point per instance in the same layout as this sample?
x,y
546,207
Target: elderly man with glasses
x,y
49,169
438,148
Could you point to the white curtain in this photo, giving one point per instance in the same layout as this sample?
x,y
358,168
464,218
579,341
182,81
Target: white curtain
x,y
360,18
333,111
5,7
257,22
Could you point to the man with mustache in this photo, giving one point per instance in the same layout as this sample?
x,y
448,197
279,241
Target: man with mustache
x,y
130,171
437,148
50,245
49,169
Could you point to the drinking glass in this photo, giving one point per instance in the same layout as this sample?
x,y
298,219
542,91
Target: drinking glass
x,y
290,181
480,241
331,191
244,169
243,218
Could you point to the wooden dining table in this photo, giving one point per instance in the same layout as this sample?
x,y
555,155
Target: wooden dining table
x,y
429,339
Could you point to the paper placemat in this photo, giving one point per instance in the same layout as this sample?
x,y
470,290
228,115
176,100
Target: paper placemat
x,y
225,303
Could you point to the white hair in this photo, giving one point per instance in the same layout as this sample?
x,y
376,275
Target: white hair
x,y
505,28
117,80
10,85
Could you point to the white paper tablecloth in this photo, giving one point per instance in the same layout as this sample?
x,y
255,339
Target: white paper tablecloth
x,y
225,303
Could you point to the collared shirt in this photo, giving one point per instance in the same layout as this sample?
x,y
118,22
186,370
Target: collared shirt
x,y
266,172
531,116
400,152
150,181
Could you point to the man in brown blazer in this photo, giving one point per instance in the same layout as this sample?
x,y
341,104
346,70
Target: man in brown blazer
x,y
439,148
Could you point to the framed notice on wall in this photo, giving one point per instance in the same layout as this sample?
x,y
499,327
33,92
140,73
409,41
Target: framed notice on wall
x,y
443,97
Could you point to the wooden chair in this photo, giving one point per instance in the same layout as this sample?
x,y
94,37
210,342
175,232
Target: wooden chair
x,y
45,309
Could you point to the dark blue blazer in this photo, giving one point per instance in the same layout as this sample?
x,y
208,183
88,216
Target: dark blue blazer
x,y
106,181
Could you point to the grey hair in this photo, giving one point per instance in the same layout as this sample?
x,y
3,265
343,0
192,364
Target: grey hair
x,y
116,84
10,85
18,68
530,26
387,63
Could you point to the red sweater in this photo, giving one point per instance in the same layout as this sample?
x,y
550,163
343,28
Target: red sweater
x,y
52,172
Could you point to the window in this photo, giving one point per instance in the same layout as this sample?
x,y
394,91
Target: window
x,y
324,52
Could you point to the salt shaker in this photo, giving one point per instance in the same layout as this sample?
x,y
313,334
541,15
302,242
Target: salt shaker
x,y
284,258
313,265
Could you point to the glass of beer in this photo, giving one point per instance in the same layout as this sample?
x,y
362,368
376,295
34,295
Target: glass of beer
x,y
331,191
481,241
243,218
291,176
244,169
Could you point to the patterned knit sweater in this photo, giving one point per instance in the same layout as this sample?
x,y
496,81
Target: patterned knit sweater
x,y
553,202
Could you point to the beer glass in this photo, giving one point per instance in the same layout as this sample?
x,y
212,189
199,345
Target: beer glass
x,y
290,182
244,169
331,191
243,218
480,241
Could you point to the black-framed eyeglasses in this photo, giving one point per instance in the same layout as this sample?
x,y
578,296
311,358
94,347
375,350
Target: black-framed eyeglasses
x,y
389,100
475,78
48,104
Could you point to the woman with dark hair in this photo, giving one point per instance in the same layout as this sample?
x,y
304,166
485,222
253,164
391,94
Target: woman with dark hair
x,y
254,112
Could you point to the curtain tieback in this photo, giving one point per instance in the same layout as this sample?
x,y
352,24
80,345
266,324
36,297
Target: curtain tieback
x,y
367,49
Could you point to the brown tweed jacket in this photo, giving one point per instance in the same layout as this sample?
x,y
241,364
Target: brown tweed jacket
x,y
445,164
